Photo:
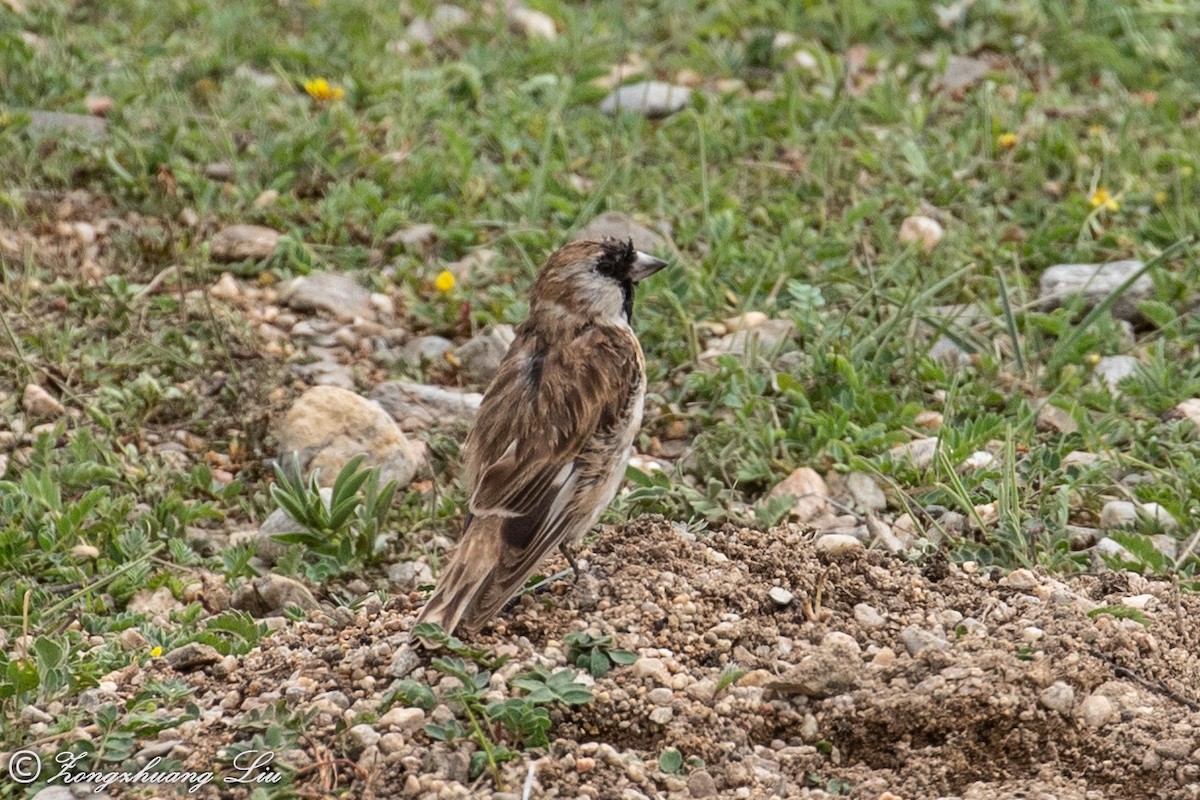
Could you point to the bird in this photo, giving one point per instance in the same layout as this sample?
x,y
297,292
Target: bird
x,y
547,450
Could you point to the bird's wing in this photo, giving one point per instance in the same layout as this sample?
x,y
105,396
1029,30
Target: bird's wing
x,y
543,407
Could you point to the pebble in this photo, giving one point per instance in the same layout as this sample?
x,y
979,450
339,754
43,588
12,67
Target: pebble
x,y
700,784
868,616
1160,515
339,295
1111,370
40,404
243,243
417,406
1096,711
1059,697
919,452
1094,282
1117,514
661,715
1052,419
661,696
531,23
980,459
1188,409
482,354
226,288
926,230
865,491
916,639
361,737
331,425
654,668
648,98
780,596
837,544
809,490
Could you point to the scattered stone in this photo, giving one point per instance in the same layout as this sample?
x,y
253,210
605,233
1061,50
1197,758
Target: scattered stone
x,y
271,594
243,243
1188,409
427,349
919,452
336,294
838,544
530,23
327,426
809,490
1117,514
1160,515
1113,549
219,171
1111,370
415,239
54,122
929,420
406,576
154,603
917,639
1058,696
962,72
40,404
947,351
780,596
1052,419
648,98
266,198
481,356
99,105
615,225
765,339
416,406
832,669
654,668
806,61
700,784
868,616
980,459
277,523
865,491
192,656
1082,538
406,720
662,715
404,661
226,288
926,230
1095,282
360,737
1096,711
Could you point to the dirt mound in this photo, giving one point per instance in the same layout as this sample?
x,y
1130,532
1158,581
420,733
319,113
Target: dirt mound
x,y
875,676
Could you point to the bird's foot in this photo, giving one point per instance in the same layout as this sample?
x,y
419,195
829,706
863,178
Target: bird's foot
x,y
570,557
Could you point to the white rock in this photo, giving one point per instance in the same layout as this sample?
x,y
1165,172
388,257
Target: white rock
x,y
1139,601
337,294
809,490
868,616
1095,282
866,491
1096,711
407,720
926,230
780,596
533,24
1111,370
226,288
329,426
919,452
1159,514
836,544
40,404
980,459
1118,514
243,243
806,61
649,98
1058,696
1189,410
416,406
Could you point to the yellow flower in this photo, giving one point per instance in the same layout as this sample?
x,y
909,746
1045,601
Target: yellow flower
x,y
155,651
1092,359
444,282
320,90
1160,198
1102,197
1007,141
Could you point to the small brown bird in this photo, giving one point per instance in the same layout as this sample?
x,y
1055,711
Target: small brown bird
x,y
548,449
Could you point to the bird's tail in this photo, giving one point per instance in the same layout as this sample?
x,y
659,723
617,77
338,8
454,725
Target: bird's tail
x,y
472,582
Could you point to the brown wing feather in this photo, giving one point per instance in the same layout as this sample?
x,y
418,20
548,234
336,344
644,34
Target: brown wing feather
x,y
543,409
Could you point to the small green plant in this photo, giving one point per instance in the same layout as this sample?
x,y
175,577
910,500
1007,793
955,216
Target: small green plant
x,y
501,728
1120,612
729,676
670,761
349,529
595,653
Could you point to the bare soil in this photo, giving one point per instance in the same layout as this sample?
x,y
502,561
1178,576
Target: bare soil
x,y
902,680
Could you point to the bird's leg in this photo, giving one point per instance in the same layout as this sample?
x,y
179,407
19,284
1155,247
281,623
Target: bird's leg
x,y
570,557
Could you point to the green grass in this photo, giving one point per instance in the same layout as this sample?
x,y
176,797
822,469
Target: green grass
x,y
788,202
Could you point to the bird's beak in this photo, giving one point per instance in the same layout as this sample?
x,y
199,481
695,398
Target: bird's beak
x,y
644,266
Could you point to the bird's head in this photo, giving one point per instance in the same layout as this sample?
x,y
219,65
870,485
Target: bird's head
x,y
592,279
